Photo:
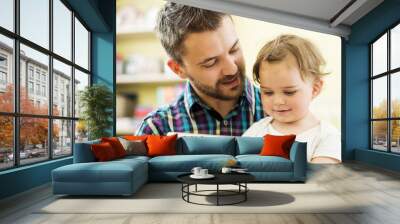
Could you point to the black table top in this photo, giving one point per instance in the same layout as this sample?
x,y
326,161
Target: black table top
x,y
220,178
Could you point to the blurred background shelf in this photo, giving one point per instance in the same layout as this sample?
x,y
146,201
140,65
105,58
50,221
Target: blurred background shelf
x,y
135,31
148,78
144,81
127,125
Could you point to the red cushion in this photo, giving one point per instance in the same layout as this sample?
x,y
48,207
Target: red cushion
x,y
135,137
277,145
161,145
103,151
116,145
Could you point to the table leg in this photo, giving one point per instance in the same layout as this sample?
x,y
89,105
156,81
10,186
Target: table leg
x,y
217,194
245,191
182,190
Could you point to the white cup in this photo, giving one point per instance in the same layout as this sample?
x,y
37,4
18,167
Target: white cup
x,y
226,170
203,172
196,170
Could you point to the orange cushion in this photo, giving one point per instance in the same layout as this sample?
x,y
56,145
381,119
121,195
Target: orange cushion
x,y
277,145
116,145
161,145
103,151
135,137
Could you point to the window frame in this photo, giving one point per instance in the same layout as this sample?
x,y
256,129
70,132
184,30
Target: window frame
x,y
16,115
388,74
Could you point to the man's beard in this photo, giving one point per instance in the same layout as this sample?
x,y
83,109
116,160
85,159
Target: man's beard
x,y
215,91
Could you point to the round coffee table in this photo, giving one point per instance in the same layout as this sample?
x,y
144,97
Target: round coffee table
x,y
238,179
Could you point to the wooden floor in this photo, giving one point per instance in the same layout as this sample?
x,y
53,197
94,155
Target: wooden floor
x,y
379,189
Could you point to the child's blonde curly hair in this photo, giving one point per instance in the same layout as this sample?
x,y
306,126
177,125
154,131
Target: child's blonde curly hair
x,y
308,57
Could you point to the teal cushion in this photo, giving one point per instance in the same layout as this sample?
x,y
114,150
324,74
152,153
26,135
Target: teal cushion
x,y
133,158
111,171
195,145
249,145
83,152
257,163
185,163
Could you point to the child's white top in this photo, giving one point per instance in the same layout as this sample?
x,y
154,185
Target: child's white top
x,y
322,140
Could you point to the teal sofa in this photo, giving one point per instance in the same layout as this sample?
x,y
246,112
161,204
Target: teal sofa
x,y
125,176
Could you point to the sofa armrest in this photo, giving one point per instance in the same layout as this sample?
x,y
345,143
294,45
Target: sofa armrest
x,y
298,155
83,152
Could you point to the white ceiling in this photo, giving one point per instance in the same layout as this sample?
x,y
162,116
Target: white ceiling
x,y
324,16
320,9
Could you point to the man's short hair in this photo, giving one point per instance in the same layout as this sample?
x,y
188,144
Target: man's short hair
x,y
176,21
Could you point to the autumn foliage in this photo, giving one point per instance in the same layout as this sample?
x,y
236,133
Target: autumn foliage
x,y
33,130
380,127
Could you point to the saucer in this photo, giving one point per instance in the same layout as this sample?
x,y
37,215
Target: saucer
x,y
208,176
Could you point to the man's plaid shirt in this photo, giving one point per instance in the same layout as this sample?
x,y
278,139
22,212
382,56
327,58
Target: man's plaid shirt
x,y
189,114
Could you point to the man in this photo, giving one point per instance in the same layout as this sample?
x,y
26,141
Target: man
x,y
218,98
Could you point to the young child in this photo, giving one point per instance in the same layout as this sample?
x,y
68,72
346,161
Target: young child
x,y
288,70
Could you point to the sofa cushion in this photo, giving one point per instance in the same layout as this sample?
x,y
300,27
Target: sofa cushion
x,y
257,163
103,151
277,145
111,171
161,145
197,145
118,177
132,159
83,152
249,145
116,145
185,163
134,147
135,137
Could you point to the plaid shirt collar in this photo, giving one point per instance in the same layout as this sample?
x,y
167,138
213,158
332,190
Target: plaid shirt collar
x,y
191,98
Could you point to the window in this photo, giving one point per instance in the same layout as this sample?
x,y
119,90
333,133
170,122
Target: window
x,y
7,14
43,77
62,30
37,74
81,45
3,78
39,80
3,71
35,22
7,88
62,75
385,94
3,61
30,87
43,90
55,95
30,72
38,89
